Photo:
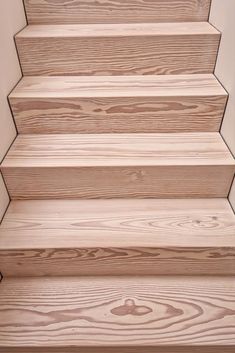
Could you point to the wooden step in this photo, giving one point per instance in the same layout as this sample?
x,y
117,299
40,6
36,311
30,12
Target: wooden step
x,y
114,49
118,237
115,11
142,313
101,104
118,166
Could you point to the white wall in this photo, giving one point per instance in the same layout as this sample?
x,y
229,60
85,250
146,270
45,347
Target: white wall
x,y
12,21
223,18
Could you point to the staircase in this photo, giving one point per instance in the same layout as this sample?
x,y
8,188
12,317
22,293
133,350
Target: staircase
x,y
119,237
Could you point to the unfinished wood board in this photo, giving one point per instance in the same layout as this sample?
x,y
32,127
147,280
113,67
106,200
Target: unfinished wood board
x,y
100,104
115,11
118,312
114,49
118,237
118,165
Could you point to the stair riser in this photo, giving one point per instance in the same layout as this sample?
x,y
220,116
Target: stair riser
x,y
118,261
118,11
114,55
119,114
118,182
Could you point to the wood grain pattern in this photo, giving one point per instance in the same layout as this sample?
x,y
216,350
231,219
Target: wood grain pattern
x,y
114,150
119,312
139,349
127,49
101,104
118,237
118,182
118,165
115,11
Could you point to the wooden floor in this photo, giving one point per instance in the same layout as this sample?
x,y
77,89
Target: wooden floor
x,y
97,312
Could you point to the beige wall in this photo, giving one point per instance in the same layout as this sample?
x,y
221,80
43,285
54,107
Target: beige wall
x,y
12,21
222,17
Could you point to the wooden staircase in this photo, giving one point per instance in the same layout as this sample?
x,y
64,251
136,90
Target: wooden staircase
x,y
119,237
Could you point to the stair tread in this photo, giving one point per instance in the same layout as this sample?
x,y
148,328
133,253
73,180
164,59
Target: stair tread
x,y
53,224
118,86
113,311
111,150
117,30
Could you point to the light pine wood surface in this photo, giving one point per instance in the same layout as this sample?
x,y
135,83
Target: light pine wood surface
x,y
114,49
114,150
118,30
113,311
118,237
115,11
118,165
121,86
100,104
139,349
